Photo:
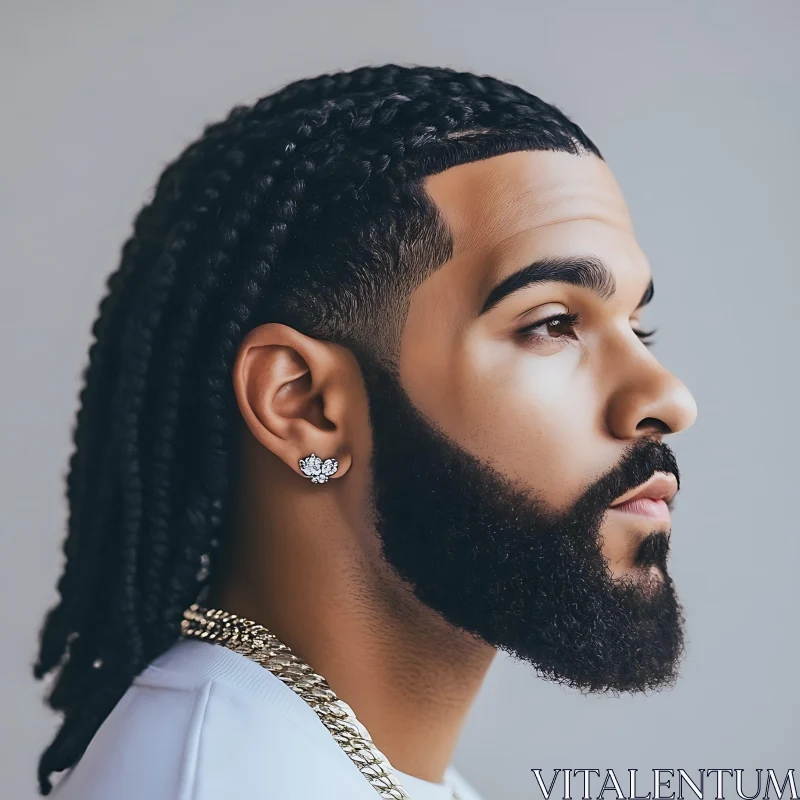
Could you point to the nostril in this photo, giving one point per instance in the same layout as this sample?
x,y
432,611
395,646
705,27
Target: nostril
x,y
654,424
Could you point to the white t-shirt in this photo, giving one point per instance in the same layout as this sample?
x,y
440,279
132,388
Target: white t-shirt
x,y
205,723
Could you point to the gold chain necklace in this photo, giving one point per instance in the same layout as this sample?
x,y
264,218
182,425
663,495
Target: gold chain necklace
x,y
262,646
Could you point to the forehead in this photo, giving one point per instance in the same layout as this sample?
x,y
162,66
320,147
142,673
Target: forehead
x,y
507,210
487,202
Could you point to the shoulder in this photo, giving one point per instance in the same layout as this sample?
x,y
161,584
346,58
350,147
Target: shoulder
x,y
204,723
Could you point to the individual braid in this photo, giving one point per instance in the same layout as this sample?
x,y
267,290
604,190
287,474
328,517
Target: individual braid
x,y
304,208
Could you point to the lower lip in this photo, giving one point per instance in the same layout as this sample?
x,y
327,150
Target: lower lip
x,y
645,507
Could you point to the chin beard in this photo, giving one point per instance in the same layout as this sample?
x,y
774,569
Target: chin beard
x,y
494,561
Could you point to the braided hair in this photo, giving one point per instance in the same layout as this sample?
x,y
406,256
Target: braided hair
x,y
305,208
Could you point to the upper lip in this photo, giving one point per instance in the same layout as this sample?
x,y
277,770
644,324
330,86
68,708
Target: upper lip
x,y
661,486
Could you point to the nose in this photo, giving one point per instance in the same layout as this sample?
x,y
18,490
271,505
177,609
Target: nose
x,y
651,401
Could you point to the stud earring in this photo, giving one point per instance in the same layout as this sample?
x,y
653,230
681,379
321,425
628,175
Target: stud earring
x,y
318,470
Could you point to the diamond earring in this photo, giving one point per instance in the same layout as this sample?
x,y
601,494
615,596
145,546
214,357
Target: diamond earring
x,y
318,470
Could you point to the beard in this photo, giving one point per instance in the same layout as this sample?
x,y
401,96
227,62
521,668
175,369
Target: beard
x,y
496,562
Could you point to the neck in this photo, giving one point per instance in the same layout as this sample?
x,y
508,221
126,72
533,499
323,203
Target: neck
x,y
409,677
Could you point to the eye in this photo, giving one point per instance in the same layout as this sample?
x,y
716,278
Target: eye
x,y
560,326
555,327
645,337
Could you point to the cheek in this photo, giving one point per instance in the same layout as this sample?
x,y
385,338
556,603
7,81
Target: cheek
x,y
539,420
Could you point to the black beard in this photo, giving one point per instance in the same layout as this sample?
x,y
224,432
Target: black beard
x,y
499,564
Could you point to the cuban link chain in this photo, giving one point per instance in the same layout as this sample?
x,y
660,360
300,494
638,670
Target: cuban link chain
x,y
262,646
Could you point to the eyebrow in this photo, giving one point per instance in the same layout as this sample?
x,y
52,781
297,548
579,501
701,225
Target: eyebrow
x,y
588,272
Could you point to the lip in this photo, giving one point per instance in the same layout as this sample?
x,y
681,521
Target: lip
x,y
645,507
650,498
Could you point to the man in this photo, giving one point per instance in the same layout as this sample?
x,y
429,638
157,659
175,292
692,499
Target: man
x,y
370,399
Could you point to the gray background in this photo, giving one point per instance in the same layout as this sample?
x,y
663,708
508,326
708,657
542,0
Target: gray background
x,y
694,105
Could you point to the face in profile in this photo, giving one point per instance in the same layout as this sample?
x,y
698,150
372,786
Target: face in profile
x,y
521,484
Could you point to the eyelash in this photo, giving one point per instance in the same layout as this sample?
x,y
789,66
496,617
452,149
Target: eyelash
x,y
572,319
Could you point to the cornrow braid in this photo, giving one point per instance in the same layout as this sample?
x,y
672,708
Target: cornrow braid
x,y
305,208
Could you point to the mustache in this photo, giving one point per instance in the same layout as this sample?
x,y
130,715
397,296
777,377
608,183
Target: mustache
x,y
640,461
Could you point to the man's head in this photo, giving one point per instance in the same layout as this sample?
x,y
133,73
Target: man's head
x,y
333,266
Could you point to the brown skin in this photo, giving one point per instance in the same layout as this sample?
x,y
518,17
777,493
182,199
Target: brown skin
x,y
552,413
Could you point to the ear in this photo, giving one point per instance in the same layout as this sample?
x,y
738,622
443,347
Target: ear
x,y
292,391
